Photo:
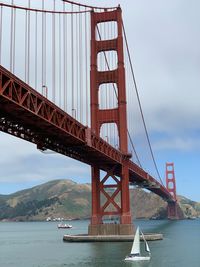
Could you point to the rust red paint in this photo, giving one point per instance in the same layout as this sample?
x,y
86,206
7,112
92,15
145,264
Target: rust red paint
x,y
172,208
27,114
117,116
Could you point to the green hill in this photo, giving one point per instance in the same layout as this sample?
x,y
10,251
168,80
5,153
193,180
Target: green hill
x,y
70,200
58,198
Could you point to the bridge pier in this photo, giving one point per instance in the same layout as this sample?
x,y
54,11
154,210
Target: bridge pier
x,y
172,211
110,229
110,200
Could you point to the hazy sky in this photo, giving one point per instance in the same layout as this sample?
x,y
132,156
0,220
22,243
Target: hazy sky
x,y
164,40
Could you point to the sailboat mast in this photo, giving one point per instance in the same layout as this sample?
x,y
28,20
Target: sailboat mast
x,y
146,244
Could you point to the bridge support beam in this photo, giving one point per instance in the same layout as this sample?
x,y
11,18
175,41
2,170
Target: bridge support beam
x,y
110,199
96,214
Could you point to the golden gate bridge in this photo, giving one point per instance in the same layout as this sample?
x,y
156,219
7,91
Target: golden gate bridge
x,y
67,84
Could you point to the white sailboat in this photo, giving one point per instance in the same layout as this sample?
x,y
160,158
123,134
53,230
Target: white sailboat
x,y
135,251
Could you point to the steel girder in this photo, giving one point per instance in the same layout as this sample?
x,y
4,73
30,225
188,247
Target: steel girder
x,y
28,115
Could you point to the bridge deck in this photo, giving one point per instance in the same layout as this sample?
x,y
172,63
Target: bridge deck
x,y
27,114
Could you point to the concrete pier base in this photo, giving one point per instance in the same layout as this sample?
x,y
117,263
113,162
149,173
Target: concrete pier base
x,y
110,229
109,238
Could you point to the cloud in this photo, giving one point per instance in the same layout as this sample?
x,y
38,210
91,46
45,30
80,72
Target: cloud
x,y
177,143
21,162
164,42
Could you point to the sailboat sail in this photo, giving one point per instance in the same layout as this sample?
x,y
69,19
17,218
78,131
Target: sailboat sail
x,y
136,244
135,251
147,247
146,244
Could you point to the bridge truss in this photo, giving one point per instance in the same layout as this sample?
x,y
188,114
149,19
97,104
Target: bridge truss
x,y
45,118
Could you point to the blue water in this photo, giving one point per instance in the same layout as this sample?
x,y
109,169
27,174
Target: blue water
x,y
39,244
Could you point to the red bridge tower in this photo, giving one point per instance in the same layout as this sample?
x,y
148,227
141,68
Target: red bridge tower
x,y
119,206
172,208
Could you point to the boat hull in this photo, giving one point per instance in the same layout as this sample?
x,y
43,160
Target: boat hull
x,y
64,226
137,258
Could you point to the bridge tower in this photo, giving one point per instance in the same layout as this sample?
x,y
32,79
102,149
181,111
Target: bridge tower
x,y
172,208
118,186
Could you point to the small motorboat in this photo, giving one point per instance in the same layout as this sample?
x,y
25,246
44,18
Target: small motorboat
x,y
135,251
64,225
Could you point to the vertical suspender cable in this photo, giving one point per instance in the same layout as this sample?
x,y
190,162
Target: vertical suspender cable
x,y
81,67
64,61
11,39
65,58
28,45
72,58
53,54
105,126
43,44
12,36
110,92
107,89
110,55
113,94
36,50
77,68
105,68
59,60
86,69
110,99
14,39
116,94
25,57
44,47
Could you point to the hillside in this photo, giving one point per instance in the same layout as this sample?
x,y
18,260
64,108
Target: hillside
x,y
189,207
59,198
69,200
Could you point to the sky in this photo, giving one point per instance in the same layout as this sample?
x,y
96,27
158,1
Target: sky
x,y
164,41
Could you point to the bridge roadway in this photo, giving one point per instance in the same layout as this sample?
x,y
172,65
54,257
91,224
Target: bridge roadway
x,y
28,115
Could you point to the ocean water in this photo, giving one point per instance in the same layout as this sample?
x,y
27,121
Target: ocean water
x,y
39,244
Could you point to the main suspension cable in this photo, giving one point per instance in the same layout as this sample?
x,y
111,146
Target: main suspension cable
x,y
88,6
43,11
140,106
